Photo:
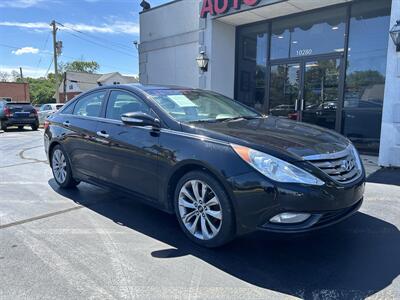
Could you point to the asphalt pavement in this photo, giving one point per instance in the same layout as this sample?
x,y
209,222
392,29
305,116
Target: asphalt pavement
x,y
94,243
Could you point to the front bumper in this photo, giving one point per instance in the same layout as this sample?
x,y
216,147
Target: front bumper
x,y
317,220
257,200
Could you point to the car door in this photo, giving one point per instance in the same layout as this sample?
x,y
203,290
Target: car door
x,y
80,140
129,154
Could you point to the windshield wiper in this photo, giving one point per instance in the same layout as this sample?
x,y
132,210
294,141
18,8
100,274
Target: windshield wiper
x,y
239,118
204,121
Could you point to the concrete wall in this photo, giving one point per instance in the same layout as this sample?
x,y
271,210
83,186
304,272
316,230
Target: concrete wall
x,y
168,47
390,136
18,92
222,58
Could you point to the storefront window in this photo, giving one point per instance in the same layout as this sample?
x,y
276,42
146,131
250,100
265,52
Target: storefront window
x,y
365,76
252,66
311,34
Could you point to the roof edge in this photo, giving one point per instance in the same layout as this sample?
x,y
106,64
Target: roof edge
x,y
159,6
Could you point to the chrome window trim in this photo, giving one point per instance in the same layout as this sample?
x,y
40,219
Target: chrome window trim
x,y
335,155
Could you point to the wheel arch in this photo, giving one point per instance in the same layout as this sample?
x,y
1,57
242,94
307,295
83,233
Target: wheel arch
x,y
189,166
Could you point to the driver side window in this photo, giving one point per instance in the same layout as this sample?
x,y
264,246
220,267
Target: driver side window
x,y
121,102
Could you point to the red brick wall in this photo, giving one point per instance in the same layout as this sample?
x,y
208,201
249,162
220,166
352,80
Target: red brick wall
x,y
19,92
69,96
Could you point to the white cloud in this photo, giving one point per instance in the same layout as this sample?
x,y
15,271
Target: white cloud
x,y
26,50
19,3
27,70
28,25
115,27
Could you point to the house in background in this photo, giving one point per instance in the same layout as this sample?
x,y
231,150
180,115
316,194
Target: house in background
x,y
75,83
14,91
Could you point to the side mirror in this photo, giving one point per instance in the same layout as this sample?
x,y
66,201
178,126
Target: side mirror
x,y
140,119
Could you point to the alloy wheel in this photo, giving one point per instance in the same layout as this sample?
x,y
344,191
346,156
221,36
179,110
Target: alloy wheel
x,y
200,209
59,165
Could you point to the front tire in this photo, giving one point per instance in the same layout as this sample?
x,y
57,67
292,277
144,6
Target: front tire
x,y
204,210
20,127
34,127
61,168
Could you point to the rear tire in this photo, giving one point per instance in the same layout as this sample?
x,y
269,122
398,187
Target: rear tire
x,y
61,168
204,210
34,127
3,126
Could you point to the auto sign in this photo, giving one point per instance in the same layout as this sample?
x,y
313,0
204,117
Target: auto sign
x,y
217,7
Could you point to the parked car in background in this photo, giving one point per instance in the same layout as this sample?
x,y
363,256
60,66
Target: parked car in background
x,y
48,109
220,166
18,114
37,107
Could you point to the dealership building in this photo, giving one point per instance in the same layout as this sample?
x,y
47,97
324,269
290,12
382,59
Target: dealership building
x,y
332,63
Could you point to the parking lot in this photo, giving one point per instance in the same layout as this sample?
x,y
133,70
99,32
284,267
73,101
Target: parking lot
x,y
94,243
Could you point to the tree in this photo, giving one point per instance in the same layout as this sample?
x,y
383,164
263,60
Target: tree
x,y
16,76
41,90
4,76
80,66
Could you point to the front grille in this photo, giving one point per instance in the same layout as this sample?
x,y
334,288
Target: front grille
x,y
341,167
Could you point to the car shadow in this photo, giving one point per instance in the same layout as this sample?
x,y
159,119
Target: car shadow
x,y
351,260
386,176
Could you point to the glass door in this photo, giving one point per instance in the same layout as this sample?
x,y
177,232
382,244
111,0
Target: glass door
x,y
321,92
307,90
285,90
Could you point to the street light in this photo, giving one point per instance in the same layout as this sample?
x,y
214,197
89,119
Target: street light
x,y
395,34
202,61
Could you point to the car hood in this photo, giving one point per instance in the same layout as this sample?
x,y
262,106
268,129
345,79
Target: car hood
x,y
274,134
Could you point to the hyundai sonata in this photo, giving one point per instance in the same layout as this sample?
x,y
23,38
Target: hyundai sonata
x,y
221,167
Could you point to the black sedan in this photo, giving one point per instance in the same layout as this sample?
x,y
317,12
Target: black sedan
x,y
221,167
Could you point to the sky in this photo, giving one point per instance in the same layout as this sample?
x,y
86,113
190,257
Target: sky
x,y
99,30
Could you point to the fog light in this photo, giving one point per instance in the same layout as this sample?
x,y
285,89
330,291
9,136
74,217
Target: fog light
x,y
289,218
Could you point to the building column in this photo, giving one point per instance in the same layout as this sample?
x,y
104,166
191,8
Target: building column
x,y
389,154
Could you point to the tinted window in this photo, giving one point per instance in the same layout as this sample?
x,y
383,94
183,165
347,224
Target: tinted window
x,y
311,34
366,71
67,109
252,65
121,102
90,105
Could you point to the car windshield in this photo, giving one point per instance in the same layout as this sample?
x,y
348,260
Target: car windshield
x,y
200,106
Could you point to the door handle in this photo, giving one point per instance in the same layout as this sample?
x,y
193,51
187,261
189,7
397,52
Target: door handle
x,y
103,134
66,123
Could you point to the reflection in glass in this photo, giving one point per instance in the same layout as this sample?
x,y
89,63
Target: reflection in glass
x,y
284,90
252,64
365,76
316,33
321,92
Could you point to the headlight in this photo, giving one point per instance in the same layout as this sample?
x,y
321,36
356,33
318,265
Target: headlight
x,y
274,168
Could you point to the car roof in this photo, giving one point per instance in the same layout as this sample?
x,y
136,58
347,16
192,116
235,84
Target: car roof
x,y
149,87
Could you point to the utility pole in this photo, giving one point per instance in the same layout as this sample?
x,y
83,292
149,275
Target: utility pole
x,y
54,26
20,74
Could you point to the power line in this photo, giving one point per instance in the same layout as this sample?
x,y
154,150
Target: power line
x,y
96,37
48,69
44,48
93,41
66,56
